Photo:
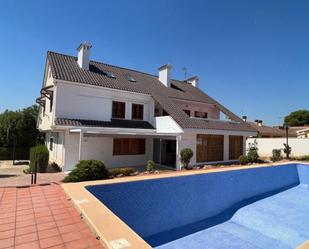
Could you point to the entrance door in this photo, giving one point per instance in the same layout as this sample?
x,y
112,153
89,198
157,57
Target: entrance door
x,y
164,152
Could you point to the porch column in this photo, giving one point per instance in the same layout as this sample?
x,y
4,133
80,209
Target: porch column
x,y
178,162
80,152
244,145
226,148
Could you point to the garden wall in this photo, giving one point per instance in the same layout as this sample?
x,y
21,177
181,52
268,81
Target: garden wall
x,y
300,146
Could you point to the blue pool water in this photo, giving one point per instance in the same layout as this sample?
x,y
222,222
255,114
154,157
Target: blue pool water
x,y
251,208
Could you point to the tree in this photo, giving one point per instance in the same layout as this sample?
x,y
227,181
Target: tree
x,y
19,126
297,118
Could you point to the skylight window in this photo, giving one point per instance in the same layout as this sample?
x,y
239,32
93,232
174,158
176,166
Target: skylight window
x,y
130,78
110,75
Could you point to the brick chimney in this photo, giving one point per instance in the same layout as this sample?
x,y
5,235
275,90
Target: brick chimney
x,y
84,55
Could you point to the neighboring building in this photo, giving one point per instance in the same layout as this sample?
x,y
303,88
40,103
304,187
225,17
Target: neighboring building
x,y
267,131
92,110
264,131
304,133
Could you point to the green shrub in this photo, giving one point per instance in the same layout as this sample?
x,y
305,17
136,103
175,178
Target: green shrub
x,y
87,170
121,171
253,156
186,154
301,158
39,154
276,155
150,165
243,160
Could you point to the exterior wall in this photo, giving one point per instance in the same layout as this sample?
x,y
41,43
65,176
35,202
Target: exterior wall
x,y
300,146
213,112
46,117
95,103
188,140
58,151
166,124
101,148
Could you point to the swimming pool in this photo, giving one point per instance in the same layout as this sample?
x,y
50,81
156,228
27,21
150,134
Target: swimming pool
x,y
266,207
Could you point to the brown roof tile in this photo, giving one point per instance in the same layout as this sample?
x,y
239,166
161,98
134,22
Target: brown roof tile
x,y
65,67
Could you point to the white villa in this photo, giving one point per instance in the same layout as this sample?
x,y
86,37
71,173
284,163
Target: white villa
x,y
92,110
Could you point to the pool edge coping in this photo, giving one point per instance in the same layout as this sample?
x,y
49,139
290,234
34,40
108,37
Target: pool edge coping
x,y
109,227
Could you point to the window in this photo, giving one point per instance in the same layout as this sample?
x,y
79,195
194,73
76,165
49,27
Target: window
x,y
200,114
130,78
188,112
129,146
119,109
51,102
235,147
110,75
137,112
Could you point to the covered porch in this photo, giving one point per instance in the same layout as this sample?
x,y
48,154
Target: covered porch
x,y
121,148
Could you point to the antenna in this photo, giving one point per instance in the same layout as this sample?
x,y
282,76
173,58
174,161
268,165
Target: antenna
x,y
184,69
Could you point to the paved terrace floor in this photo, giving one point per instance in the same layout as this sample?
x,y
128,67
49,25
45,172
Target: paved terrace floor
x,y
278,222
40,217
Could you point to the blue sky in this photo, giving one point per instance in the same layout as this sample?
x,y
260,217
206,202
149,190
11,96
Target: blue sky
x,y
252,56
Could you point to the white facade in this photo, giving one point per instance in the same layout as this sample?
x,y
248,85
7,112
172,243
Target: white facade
x,y
68,144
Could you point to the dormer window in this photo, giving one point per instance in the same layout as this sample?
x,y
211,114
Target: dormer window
x,y
137,112
198,114
131,79
119,109
110,75
188,112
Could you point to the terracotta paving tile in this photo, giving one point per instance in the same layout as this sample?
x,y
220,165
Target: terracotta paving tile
x,y
42,213
82,225
44,219
67,237
31,245
51,241
68,228
57,247
26,238
48,233
63,216
25,223
7,234
45,226
59,211
4,243
77,244
24,212
7,226
65,222
40,217
25,230
7,220
7,214
25,217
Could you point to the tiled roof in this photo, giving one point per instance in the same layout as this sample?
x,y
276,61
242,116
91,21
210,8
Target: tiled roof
x,y
65,67
114,123
275,131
